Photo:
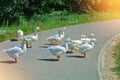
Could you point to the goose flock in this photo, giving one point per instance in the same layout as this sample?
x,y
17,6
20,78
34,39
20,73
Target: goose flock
x,y
82,45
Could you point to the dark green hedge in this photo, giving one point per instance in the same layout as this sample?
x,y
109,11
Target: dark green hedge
x,y
12,10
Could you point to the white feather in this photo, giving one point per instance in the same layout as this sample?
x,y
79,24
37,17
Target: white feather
x,y
19,34
16,51
86,47
33,37
57,37
58,50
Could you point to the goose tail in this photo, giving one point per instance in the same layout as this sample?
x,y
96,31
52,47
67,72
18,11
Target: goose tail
x,y
4,50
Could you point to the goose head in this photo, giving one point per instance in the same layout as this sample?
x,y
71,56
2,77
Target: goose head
x,y
37,29
63,28
92,35
84,39
83,36
19,34
92,41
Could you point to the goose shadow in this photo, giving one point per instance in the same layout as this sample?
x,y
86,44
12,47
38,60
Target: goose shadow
x,y
13,40
51,60
76,56
47,44
43,46
8,62
69,52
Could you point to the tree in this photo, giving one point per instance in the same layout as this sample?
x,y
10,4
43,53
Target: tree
x,y
11,10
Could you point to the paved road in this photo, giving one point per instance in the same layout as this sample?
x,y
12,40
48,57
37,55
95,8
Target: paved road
x,y
39,64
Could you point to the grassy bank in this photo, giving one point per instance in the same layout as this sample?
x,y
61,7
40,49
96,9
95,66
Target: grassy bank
x,y
117,59
55,20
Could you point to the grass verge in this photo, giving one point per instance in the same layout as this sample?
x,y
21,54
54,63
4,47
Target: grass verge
x,y
55,20
116,55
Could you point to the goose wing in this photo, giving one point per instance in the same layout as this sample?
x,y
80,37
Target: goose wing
x,y
84,47
14,51
57,35
53,39
30,38
76,42
56,50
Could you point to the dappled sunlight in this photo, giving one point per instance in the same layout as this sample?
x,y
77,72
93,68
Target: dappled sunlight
x,y
9,69
114,4
109,5
7,73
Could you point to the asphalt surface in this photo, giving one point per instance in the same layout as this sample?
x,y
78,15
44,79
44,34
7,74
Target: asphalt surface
x,y
38,64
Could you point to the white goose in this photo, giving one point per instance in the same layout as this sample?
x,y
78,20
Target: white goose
x,y
73,43
32,37
91,36
84,48
56,39
84,39
17,51
19,34
58,50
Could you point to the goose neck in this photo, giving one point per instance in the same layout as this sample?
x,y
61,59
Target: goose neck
x,y
23,45
92,43
65,46
36,30
61,33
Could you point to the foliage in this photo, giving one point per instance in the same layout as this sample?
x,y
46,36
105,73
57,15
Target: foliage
x,y
13,10
117,57
54,20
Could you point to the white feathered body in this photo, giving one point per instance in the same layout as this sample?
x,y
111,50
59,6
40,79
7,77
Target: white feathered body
x,y
85,40
56,38
57,50
32,37
74,43
83,48
16,51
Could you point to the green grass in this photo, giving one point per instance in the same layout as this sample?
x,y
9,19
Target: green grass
x,y
117,59
54,20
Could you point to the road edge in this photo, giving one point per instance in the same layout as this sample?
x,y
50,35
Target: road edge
x,y
101,57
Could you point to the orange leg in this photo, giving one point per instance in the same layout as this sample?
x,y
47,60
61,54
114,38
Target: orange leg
x,y
71,49
58,58
30,45
85,55
59,42
27,44
16,61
